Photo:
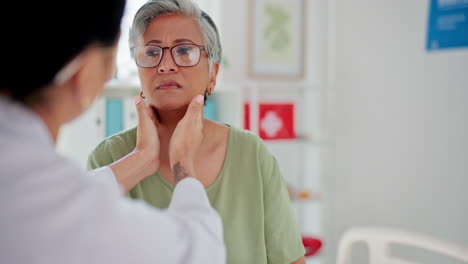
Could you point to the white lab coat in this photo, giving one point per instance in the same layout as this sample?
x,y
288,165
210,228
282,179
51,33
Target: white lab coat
x,y
54,212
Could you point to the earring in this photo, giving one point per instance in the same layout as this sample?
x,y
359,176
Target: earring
x,y
141,95
209,91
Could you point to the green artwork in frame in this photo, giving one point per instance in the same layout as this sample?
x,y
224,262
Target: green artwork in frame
x,y
277,33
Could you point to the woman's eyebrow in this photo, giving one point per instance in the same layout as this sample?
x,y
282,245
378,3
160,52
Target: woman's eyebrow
x,y
177,41
182,40
153,42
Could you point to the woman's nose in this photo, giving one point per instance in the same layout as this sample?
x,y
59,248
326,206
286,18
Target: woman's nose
x,y
167,64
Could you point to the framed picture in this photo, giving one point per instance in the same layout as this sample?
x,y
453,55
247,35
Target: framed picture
x,y
276,42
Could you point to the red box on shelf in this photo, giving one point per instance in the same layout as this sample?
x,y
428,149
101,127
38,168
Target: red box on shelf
x,y
275,121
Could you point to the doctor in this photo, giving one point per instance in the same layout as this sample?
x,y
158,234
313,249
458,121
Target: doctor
x,y
56,63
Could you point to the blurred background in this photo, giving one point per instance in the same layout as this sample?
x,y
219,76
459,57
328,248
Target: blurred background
x,y
363,103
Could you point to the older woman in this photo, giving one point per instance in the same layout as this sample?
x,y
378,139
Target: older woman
x,y
177,49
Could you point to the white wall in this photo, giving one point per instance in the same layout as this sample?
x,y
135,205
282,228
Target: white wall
x,y
400,124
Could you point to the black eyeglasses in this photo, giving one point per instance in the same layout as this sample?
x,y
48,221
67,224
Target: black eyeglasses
x,y
184,55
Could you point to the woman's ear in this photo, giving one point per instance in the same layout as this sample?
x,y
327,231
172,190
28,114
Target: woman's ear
x,y
84,82
80,82
97,66
90,76
67,72
213,76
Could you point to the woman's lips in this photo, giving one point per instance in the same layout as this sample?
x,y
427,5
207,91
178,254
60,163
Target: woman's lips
x,y
169,85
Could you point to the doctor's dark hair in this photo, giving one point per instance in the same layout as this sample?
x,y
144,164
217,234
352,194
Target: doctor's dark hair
x,y
49,35
156,8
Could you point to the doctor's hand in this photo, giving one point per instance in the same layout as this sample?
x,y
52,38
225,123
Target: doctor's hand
x,y
144,159
186,140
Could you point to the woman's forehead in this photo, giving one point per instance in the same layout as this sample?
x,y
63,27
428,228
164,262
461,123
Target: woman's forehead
x,y
171,28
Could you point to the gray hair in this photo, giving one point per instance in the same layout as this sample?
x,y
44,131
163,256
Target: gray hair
x,y
155,8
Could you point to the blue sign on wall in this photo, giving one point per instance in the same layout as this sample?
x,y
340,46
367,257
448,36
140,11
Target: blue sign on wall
x,y
448,24
114,116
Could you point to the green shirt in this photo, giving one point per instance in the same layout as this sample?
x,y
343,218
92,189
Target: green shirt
x,y
249,194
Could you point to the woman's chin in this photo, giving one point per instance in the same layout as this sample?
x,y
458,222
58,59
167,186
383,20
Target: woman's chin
x,y
170,106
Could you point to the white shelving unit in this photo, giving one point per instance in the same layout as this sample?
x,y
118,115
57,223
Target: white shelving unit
x,y
299,158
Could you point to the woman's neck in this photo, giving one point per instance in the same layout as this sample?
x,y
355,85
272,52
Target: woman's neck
x,y
168,121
